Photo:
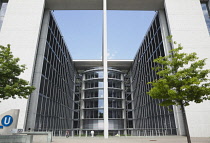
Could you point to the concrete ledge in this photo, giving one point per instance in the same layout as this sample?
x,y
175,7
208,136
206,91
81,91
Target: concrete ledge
x,y
16,138
49,135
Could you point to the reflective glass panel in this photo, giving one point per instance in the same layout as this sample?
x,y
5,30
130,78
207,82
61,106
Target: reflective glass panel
x,y
100,113
100,103
2,12
100,93
206,15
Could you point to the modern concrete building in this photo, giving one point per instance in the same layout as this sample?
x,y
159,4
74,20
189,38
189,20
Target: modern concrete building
x,y
107,96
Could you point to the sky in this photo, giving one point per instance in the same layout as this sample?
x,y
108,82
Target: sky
x,y
82,32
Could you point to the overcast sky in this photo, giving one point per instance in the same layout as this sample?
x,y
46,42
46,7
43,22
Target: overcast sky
x,y
82,31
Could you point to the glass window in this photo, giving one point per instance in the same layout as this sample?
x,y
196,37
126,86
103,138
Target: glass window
x,y
100,124
206,14
100,103
3,8
101,84
100,93
112,74
99,74
94,74
100,113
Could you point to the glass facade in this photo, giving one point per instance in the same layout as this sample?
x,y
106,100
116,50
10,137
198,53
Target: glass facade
x,y
128,103
93,100
206,12
3,8
116,102
149,117
95,93
74,100
56,94
94,84
96,74
77,98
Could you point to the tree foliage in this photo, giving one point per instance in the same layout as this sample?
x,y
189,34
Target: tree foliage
x,y
182,79
11,86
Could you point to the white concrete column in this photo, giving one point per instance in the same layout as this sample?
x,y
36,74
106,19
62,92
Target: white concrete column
x,y
187,26
82,102
123,102
164,31
72,133
106,121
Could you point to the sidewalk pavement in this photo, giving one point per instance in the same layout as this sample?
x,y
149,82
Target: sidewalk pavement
x,y
133,139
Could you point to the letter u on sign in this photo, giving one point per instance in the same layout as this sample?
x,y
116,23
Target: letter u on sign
x,y
7,120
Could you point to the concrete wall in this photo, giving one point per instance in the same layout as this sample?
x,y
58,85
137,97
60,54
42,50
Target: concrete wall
x,y
187,25
21,28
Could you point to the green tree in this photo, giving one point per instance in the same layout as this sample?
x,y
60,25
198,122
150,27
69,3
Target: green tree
x,y
11,86
182,80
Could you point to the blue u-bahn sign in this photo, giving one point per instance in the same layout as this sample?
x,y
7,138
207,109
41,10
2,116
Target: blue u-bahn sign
x,y
6,121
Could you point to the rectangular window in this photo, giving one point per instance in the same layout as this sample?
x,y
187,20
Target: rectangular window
x,y
205,7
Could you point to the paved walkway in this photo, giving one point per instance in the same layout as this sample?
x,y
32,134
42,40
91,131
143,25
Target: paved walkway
x,y
168,139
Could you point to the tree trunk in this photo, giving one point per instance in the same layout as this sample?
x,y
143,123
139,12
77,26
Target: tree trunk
x,y
185,123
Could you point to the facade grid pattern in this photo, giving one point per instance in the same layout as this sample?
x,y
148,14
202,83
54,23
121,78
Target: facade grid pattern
x,y
77,98
55,102
115,101
149,117
93,101
128,102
